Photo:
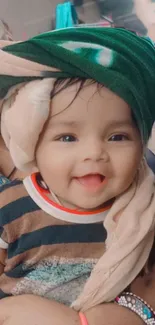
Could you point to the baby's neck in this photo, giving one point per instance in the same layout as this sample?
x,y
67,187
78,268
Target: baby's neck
x,y
71,206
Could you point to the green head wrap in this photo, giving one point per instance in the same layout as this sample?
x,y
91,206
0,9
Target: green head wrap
x,y
116,58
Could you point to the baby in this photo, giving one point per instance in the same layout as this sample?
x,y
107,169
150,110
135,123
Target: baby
x,y
77,112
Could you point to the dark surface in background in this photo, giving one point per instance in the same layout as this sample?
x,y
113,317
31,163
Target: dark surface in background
x,y
150,157
121,12
116,7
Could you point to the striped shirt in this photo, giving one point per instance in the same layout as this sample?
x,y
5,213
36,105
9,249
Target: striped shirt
x,y
46,252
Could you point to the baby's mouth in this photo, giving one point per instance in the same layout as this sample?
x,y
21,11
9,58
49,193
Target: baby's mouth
x,y
91,180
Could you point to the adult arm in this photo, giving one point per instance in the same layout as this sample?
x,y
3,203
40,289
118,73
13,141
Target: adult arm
x,y
34,310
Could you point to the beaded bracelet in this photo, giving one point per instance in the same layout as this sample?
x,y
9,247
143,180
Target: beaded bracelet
x,y
83,319
138,306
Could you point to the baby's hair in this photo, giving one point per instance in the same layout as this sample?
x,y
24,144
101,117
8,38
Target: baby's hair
x,y
61,84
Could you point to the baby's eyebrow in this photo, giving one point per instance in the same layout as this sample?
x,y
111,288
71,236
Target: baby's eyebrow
x,y
78,124
123,123
66,123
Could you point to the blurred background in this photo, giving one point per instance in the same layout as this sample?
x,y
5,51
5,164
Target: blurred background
x,y
27,18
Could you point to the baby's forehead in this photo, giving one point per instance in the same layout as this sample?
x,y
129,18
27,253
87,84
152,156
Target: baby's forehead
x,y
72,101
89,107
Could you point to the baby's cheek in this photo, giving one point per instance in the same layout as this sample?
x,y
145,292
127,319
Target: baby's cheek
x,y
128,161
124,173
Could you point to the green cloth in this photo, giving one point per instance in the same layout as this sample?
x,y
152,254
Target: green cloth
x,y
119,59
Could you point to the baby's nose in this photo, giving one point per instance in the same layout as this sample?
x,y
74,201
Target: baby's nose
x,y
95,150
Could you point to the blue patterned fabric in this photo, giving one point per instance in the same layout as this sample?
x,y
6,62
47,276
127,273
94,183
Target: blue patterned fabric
x,y
3,180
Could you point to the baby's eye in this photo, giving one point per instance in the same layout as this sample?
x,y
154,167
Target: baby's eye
x,y
67,138
119,137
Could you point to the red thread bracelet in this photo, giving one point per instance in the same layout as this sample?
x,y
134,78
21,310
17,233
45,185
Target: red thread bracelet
x,y
83,319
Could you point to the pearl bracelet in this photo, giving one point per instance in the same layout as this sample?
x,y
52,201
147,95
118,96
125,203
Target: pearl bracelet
x,y
138,306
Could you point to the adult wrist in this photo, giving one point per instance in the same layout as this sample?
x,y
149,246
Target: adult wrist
x,y
112,314
138,306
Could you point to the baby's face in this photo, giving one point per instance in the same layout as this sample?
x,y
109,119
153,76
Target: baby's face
x,y
91,150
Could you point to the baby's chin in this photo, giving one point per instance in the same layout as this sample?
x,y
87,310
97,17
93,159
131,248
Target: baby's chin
x,y
79,207
87,206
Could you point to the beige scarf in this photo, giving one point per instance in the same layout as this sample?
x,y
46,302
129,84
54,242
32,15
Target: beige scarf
x,y
128,243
